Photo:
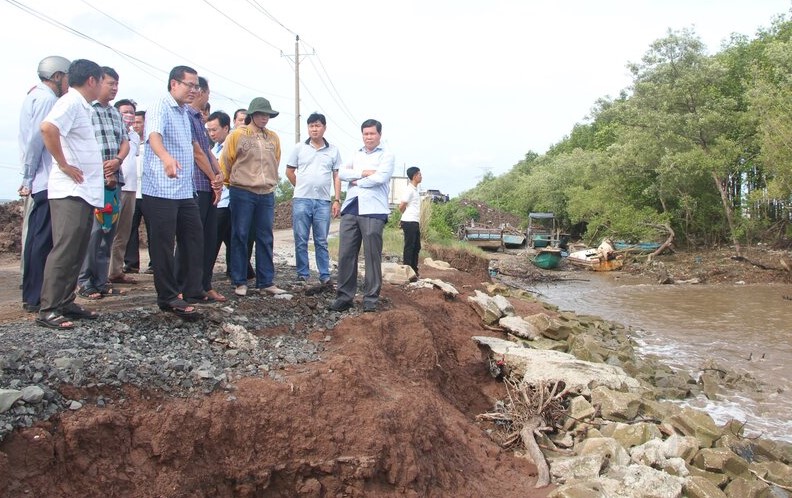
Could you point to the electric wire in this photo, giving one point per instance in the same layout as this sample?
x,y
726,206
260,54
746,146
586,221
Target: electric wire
x,y
181,57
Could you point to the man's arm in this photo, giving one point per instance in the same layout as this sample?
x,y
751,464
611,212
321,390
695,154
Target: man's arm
x,y
382,174
51,136
291,174
336,207
169,163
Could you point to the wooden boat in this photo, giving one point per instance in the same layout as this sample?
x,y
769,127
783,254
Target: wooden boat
x,y
641,247
547,258
542,231
489,238
513,238
592,259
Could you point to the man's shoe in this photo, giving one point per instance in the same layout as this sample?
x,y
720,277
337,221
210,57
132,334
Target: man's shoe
x,y
31,308
241,290
128,269
340,305
369,307
327,282
149,271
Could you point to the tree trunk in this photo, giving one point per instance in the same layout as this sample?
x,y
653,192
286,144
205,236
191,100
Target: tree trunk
x,y
728,211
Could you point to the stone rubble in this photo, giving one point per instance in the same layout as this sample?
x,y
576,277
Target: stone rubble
x,y
627,440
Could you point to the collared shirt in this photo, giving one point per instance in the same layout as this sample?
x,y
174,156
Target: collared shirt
x,y
413,199
314,169
129,168
372,192
36,159
170,120
73,116
110,131
202,182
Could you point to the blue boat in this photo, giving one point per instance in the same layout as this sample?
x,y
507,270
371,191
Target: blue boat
x,y
636,247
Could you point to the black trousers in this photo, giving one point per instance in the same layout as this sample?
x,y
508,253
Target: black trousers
x,y
37,247
208,213
412,243
174,221
132,253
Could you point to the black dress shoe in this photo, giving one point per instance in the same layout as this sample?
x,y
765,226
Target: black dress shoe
x,y
128,269
369,307
340,305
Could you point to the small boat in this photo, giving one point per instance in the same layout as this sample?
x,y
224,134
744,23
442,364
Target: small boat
x,y
490,238
542,231
592,259
513,238
603,258
640,247
547,258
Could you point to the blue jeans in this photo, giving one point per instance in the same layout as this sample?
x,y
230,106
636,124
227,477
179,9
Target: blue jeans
x,y
259,210
311,215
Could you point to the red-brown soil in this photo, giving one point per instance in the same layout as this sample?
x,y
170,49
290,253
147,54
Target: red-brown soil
x,y
390,411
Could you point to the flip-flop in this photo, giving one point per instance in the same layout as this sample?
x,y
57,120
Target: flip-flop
x,y
112,291
55,321
77,312
181,308
205,299
91,294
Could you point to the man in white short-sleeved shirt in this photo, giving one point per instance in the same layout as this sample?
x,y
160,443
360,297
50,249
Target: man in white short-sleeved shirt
x,y
410,207
76,187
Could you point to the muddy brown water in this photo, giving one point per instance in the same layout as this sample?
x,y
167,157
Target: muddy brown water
x,y
743,327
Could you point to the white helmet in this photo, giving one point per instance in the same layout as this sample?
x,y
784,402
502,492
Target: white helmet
x,y
51,65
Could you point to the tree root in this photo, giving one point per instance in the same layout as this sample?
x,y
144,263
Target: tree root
x,y
529,440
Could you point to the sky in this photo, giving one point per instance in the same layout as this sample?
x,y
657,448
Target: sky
x,y
462,88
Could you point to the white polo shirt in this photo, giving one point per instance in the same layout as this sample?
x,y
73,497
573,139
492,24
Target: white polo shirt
x,y
413,199
71,114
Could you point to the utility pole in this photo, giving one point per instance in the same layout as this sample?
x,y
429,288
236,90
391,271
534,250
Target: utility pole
x,y
297,89
296,86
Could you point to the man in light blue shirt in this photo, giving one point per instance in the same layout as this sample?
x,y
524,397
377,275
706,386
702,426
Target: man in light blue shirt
x,y
312,168
363,217
169,201
37,162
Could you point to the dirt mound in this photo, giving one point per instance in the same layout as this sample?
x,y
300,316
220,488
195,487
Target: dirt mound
x,y
390,410
283,215
11,227
490,216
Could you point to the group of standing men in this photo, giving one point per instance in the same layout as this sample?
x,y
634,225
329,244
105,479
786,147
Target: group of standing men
x,y
77,150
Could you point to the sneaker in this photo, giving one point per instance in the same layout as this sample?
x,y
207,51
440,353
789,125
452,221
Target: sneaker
x,y
303,279
340,305
241,290
369,307
329,282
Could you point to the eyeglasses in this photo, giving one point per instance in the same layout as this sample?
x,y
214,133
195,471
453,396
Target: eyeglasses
x,y
191,86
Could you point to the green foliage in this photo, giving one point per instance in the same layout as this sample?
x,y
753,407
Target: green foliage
x,y
284,192
701,143
446,218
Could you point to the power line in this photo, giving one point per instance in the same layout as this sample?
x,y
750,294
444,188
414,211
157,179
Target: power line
x,y
240,25
186,59
264,11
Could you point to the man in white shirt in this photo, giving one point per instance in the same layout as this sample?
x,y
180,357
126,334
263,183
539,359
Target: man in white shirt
x,y
127,109
76,187
363,216
410,207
